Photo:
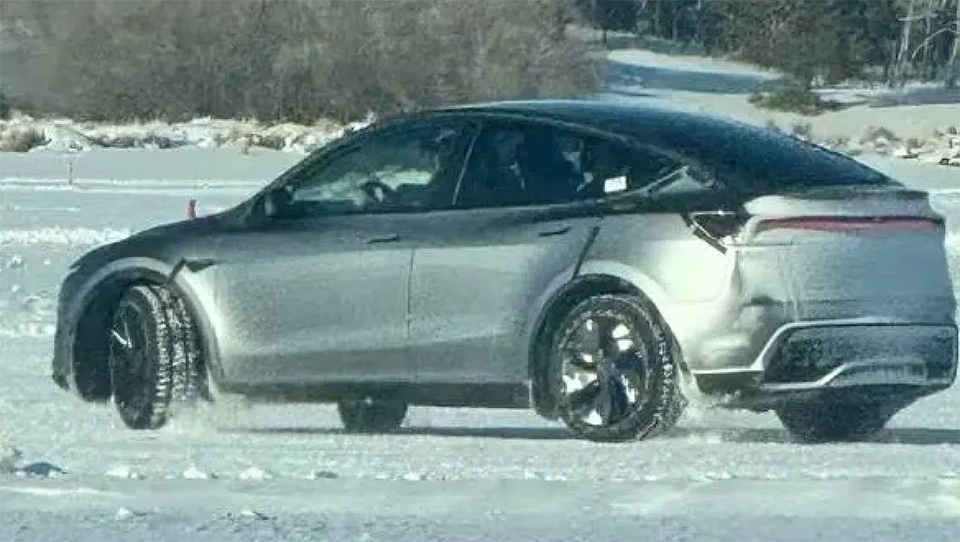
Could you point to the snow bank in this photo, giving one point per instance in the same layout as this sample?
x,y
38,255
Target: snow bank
x,y
9,458
61,236
941,147
25,133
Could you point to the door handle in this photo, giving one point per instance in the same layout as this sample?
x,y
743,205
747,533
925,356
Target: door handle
x,y
384,239
560,230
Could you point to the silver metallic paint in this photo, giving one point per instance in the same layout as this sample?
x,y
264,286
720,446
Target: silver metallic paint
x,y
456,296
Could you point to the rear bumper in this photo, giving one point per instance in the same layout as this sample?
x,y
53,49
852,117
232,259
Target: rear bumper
x,y
841,354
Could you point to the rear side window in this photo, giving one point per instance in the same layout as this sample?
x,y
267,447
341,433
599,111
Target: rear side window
x,y
759,161
516,164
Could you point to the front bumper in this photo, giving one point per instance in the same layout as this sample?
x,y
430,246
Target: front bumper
x,y
68,315
841,354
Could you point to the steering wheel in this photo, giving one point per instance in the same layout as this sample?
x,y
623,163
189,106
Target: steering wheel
x,y
377,192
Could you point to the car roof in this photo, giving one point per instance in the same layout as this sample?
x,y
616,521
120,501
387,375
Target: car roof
x,y
609,115
744,150
664,126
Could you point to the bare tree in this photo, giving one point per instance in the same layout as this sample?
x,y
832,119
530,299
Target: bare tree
x,y
954,78
286,59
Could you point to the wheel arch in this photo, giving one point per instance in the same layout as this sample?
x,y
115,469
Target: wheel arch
x,y
592,279
88,348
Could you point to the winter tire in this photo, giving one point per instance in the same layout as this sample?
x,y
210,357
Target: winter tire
x,y
834,421
152,355
613,365
371,416
189,383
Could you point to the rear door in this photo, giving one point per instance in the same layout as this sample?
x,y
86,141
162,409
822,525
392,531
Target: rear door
x,y
520,223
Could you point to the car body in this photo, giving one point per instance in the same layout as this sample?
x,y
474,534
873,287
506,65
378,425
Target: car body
x,y
782,275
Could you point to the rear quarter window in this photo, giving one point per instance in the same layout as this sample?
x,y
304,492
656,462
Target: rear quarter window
x,y
755,160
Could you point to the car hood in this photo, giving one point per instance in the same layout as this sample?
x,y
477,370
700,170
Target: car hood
x,y
154,241
183,228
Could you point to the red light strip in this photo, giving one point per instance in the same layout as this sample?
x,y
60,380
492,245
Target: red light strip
x,y
850,224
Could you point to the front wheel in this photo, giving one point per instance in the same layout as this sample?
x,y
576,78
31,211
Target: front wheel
x,y
152,356
371,416
613,364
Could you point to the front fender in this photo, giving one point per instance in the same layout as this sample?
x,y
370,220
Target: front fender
x,y
118,274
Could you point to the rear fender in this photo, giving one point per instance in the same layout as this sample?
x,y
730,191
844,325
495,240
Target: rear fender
x,y
642,283
589,277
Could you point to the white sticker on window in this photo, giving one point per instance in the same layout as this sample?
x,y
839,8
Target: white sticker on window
x,y
615,184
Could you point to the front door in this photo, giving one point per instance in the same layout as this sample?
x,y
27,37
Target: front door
x,y
319,292
315,299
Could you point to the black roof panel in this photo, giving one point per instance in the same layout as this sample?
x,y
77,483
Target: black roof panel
x,y
758,158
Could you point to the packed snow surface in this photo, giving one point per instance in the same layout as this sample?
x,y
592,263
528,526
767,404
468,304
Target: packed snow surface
x,y
70,471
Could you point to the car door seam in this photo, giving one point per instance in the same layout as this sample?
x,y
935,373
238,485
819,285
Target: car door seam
x,y
467,156
591,237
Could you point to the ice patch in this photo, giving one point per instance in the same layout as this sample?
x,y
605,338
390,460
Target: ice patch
x,y
126,472
15,262
30,330
40,469
63,236
9,459
322,475
194,473
57,492
125,513
255,473
252,514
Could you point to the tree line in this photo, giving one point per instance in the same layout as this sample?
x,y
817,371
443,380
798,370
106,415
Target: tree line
x,y
294,60
300,60
891,41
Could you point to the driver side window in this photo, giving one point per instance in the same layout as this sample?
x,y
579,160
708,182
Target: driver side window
x,y
404,170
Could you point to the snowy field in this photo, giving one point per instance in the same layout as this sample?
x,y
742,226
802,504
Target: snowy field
x,y
287,473
235,472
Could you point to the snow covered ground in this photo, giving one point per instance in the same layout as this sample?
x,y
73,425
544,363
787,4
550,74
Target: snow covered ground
x,y
70,472
921,121
287,473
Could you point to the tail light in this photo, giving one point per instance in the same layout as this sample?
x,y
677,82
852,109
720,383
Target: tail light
x,y
718,228
852,224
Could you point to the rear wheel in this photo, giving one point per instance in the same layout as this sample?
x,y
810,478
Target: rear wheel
x,y
152,356
833,421
371,416
613,365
